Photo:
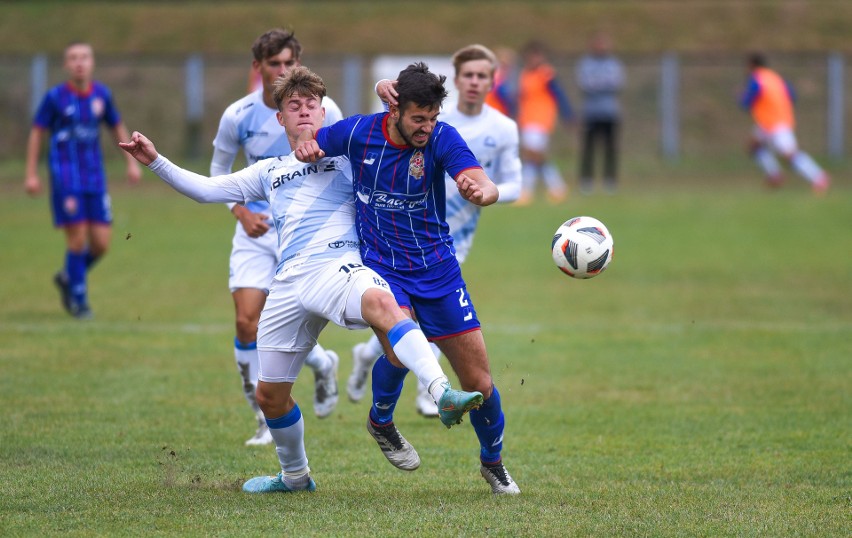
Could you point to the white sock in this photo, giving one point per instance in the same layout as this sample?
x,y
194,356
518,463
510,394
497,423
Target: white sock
x,y
318,360
247,366
806,167
529,175
373,347
298,479
552,178
414,352
437,389
290,446
767,162
421,388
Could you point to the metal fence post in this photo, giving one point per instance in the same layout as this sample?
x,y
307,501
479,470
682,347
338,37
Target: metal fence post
x,y
835,105
353,67
194,104
669,106
38,81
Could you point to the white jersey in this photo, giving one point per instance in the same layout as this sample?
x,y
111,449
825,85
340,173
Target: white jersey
x,y
493,139
311,204
250,125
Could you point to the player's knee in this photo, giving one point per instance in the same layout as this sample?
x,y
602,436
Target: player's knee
x,y
246,328
478,381
379,308
98,250
274,400
383,302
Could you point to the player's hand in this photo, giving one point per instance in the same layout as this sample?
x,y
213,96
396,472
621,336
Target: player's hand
x,y
386,90
253,223
140,148
309,151
32,184
469,189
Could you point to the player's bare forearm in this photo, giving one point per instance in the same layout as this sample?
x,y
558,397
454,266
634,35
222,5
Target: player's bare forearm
x,y
477,188
134,174
253,223
32,183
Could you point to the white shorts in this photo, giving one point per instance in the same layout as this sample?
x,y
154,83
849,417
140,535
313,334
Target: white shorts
x,y
253,260
301,302
782,140
535,138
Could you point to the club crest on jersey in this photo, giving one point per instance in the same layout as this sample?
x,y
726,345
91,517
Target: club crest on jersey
x,y
69,205
97,107
415,165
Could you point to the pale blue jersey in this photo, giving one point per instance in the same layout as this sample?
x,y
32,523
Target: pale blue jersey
x,y
251,126
311,203
493,139
399,190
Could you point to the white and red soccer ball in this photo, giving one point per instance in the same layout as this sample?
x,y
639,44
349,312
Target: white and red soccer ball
x,y
582,247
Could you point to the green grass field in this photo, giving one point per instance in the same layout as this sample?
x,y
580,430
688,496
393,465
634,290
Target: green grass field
x,y
700,387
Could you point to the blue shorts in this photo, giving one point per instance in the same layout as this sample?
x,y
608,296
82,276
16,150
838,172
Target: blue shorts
x,y
71,208
437,296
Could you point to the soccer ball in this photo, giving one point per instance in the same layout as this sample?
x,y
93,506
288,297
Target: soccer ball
x,y
582,247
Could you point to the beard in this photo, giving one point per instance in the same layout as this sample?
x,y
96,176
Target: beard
x,y
408,136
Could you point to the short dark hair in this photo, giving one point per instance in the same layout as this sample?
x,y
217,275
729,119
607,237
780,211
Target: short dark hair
x,y
273,42
298,81
77,43
534,46
757,59
416,84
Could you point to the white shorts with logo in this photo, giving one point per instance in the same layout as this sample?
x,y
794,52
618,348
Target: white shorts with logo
x,y
301,302
253,260
781,140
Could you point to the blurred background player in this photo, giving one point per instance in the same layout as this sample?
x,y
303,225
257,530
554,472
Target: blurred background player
x,y
600,76
770,100
73,112
493,139
504,91
250,125
541,101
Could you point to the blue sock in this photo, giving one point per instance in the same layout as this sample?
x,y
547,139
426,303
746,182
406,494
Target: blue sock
x,y
285,421
91,260
488,422
387,386
75,268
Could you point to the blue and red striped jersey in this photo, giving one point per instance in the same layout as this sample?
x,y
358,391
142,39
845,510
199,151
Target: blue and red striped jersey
x,y
400,195
73,119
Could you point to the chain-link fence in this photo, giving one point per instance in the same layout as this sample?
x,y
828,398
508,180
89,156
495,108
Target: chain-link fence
x,y
151,94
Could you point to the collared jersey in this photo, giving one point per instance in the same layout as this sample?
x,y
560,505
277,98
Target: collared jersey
x,y
400,195
74,119
251,126
311,203
493,139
